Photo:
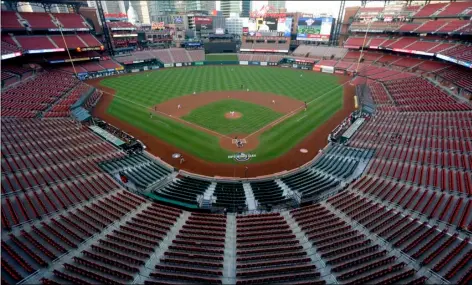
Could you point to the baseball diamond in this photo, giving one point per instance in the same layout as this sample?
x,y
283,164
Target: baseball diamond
x,y
205,137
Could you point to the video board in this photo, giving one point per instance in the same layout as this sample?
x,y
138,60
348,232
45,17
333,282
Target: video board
x,y
270,24
314,29
203,23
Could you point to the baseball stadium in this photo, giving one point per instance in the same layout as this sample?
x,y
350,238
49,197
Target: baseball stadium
x,y
266,147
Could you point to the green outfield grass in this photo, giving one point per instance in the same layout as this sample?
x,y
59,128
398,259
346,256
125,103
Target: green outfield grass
x,y
136,93
212,116
221,57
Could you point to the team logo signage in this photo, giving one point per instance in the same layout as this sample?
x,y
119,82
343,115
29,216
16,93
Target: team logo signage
x,y
241,157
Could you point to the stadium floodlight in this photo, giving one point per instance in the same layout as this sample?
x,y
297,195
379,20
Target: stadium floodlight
x,y
363,43
60,26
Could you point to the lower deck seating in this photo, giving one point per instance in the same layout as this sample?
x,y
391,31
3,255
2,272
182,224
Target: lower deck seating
x,y
139,169
230,196
184,189
268,193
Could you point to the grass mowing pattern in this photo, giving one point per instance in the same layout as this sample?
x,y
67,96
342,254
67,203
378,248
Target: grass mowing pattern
x,y
138,92
212,116
221,57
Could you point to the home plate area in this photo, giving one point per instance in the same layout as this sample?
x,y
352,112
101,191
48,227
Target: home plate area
x,y
239,142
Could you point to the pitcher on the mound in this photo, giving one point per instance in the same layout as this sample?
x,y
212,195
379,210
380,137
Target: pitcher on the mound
x,y
179,107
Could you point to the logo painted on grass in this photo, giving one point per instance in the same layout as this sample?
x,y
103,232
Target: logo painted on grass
x,y
241,157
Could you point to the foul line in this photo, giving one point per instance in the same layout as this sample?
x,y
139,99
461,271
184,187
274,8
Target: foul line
x,y
301,118
192,124
167,115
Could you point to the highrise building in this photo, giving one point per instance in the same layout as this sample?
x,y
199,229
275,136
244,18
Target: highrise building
x,y
241,7
110,7
161,8
245,8
199,5
208,5
235,24
142,11
277,4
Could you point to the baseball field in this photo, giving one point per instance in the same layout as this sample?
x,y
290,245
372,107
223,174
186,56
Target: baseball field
x,y
268,107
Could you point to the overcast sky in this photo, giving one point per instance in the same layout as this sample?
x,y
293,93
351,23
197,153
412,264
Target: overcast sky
x,y
329,7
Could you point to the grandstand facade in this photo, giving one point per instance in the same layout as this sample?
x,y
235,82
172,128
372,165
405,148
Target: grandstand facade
x,y
388,200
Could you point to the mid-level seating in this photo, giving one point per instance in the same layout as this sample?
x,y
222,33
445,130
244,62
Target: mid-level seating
x,y
37,95
38,21
37,246
458,75
195,255
41,175
118,256
446,254
71,20
267,251
184,189
407,96
353,257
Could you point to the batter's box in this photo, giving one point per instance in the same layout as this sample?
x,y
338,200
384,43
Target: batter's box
x,y
234,141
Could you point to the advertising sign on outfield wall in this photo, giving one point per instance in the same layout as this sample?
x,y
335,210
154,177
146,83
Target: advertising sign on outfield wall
x,y
327,69
254,63
317,68
168,65
198,63
263,63
178,64
243,62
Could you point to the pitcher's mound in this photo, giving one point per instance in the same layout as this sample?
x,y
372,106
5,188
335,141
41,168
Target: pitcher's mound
x,y
232,116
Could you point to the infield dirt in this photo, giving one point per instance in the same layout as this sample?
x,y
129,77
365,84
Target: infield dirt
x,y
288,161
281,104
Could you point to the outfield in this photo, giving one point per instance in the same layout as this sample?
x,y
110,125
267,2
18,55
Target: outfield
x,y
137,93
221,57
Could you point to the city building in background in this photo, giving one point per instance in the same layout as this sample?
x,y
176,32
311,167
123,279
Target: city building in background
x,y
110,7
121,7
34,7
277,4
170,7
160,8
235,24
142,11
245,8
241,7
193,5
